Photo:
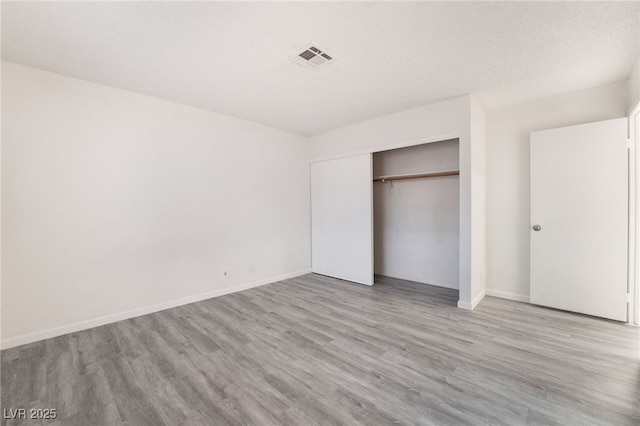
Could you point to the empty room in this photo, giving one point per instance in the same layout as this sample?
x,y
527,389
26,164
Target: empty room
x,y
320,213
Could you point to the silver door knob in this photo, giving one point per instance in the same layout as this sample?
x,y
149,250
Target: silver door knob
x,y
537,227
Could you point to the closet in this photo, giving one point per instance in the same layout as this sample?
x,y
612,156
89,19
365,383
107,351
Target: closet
x,y
416,213
395,212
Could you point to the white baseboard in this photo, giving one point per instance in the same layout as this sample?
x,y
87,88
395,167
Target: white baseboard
x,y
471,306
507,295
111,318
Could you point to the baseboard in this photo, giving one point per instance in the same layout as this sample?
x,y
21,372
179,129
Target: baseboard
x,y
507,295
471,306
111,318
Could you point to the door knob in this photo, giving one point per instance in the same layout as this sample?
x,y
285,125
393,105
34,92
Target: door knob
x,y
537,227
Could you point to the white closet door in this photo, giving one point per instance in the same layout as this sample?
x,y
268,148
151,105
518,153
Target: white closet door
x,y
579,204
342,218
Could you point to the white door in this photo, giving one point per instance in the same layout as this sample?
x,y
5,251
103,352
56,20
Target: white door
x,y
341,218
579,202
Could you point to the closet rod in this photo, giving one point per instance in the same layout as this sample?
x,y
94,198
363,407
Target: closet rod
x,y
416,176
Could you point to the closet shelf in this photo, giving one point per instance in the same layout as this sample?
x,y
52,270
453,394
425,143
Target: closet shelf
x,y
416,176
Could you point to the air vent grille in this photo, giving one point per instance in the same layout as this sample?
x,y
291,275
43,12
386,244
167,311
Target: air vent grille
x,y
312,57
307,54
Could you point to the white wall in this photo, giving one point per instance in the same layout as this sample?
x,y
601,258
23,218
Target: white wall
x,y
1,314
634,86
116,204
508,130
416,222
438,121
478,207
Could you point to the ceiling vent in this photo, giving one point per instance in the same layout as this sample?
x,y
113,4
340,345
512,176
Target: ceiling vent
x,y
313,58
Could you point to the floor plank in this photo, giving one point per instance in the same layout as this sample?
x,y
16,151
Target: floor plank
x,y
315,350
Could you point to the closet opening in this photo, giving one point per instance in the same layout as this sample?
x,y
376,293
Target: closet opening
x,y
416,215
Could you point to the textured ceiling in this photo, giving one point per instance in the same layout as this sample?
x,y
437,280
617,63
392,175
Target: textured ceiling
x,y
235,57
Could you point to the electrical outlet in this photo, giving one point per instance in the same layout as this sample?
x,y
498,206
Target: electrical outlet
x,y
224,272
252,267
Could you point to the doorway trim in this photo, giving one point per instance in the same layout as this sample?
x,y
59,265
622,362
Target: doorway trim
x,y
634,216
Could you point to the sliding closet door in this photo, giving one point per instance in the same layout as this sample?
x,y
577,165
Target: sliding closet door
x,y
342,218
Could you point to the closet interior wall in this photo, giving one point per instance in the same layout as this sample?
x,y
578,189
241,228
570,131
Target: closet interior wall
x,y
417,221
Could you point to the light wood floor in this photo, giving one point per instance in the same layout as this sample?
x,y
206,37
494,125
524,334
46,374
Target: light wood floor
x,y
315,350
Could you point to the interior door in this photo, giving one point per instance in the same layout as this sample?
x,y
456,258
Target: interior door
x,y
579,218
342,218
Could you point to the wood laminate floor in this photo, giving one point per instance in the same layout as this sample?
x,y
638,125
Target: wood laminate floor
x,y
318,351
